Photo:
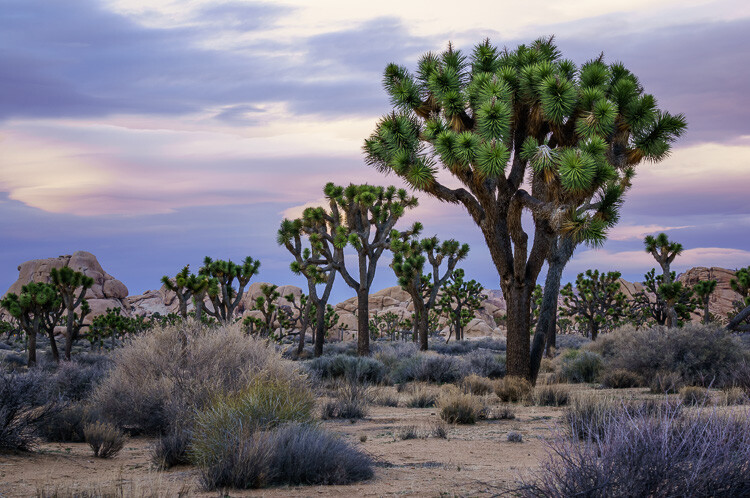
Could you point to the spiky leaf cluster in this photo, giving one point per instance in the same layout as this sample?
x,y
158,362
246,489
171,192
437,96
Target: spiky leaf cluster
x,y
221,276
741,284
459,300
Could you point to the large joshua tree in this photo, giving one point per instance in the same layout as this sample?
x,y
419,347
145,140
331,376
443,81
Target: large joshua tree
x,y
501,117
410,255
597,301
72,286
221,276
307,263
362,217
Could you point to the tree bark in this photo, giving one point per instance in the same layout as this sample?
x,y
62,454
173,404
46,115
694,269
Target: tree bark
x,y
518,337
420,316
320,329
53,345
706,312
363,323
32,343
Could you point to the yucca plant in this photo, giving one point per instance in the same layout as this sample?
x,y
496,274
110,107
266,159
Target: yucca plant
x,y
664,252
703,291
410,255
220,286
741,285
307,262
362,217
72,286
186,285
498,117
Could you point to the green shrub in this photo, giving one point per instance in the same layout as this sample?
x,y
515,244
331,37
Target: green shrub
x,y
580,366
263,404
105,439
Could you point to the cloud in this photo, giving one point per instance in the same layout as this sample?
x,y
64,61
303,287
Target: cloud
x,y
638,232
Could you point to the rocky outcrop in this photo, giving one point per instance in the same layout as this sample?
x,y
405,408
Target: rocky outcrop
x,y
107,291
722,299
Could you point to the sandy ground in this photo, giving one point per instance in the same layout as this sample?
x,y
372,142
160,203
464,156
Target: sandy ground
x,y
475,460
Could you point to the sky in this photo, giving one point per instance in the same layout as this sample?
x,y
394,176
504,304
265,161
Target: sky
x,y
153,133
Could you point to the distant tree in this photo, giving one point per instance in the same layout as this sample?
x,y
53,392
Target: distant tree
x,y
664,252
38,308
308,262
741,284
703,290
504,119
360,216
72,287
410,256
597,302
655,300
185,285
739,320
459,300
299,316
220,290
271,313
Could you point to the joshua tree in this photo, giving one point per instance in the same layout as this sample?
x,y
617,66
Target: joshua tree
x,y
459,300
300,315
741,284
72,287
501,117
409,257
307,262
222,274
37,308
597,301
185,285
271,312
703,290
680,297
360,216
664,252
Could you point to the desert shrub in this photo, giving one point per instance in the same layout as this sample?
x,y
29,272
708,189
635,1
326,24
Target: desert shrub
x,y
437,368
620,378
169,373
547,366
551,395
172,449
289,454
666,383
474,384
486,363
579,366
513,389
421,397
734,396
408,432
24,408
350,402
439,430
391,353
385,398
515,437
106,440
65,424
502,412
459,408
701,354
468,345
650,454
695,395
74,380
571,341
340,347
353,368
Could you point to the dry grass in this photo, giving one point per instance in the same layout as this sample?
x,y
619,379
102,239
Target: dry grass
x,y
474,384
513,389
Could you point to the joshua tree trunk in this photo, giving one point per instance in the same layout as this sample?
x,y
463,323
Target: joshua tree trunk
x,y
363,323
706,312
546,332
53,345
304,322
320,329
518,337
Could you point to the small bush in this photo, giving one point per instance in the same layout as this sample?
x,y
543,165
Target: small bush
x,y
515,437
474,384
513,389
439,431
642,453
551,395
735,396
620,378
74,380
580,366
468,345
486,364
350,402
172,449
66,424
571,341
352,368
385,398
503,412
105,439
23,409
666,383
459,408
441,369
422,397
408,432
695,395
290,454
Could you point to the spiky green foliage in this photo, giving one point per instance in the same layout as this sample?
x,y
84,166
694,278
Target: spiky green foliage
x,y
38,309
459,300
652,305
113,325
703,291
72,286
664,252
274,321
361,217
410,255
493,118
741,284
220,287
597,302
187,285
